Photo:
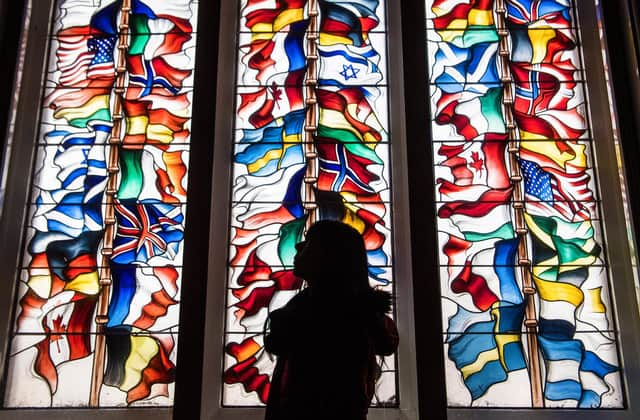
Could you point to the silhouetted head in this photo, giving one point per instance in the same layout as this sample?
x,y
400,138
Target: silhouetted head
x,y
333,255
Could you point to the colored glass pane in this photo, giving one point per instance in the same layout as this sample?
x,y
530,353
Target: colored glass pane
x,y
303,151
524,279
101,271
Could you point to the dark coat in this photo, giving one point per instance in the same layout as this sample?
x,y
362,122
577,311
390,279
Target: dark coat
x,y
326,348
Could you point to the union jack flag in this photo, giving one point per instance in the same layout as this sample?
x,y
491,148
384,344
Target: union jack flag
x,y
525,12
146,230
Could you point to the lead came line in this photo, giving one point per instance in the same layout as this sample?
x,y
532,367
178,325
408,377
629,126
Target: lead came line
x,y
311,117
524,263
115,140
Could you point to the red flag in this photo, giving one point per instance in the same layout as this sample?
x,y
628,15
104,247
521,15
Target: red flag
x,y
476,285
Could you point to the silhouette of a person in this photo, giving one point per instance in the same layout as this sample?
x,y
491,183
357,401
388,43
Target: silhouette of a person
x,y
328,335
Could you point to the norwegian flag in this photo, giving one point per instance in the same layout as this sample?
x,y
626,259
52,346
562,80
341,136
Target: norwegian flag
x,y
341,170
146,74
541,87
146,230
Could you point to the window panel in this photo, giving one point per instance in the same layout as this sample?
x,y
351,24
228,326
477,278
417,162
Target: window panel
x,y
524,278
311,143
493,365
99,291
63,359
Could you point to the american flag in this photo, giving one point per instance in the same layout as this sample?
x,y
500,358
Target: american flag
x,y
566,193
102,63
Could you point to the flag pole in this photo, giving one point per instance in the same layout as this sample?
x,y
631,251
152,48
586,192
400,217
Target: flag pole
x,y
113,168
524,263
311,117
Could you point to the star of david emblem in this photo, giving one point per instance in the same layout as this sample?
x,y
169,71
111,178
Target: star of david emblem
x,y
348,72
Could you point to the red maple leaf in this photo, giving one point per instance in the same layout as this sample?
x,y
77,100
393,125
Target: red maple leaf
x,y
276,92
57,329
477,163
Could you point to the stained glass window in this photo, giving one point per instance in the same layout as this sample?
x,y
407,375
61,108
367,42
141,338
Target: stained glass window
x,y
311,142
96,318
527,309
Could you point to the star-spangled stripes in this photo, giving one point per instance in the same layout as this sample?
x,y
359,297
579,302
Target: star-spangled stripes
x,y
103,50
68,219
559,199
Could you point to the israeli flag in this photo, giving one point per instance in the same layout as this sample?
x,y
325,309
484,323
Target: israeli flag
x,y
347,65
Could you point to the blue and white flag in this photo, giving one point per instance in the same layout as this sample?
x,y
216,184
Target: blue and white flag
x,y
347,65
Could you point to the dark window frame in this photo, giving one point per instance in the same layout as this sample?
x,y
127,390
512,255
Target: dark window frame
x,y
621,23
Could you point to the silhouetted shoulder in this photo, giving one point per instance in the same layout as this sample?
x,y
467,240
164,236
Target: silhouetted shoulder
x,y
284,322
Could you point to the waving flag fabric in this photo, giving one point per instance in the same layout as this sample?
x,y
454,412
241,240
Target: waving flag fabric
x,y
560,218
349,65
269,167
474,195
272,159
480,255
55,321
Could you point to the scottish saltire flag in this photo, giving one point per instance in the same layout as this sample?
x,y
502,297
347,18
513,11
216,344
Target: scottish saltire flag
x,y
472,68
66,228
474,200
464,68
475,193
